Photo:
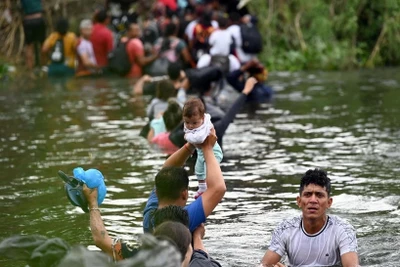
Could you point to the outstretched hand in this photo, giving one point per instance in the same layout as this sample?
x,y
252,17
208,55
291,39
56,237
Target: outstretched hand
x,y
90,195
249,86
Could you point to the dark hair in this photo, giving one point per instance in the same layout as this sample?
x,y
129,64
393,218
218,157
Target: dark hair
x,y
317,177
222,21
173,115
101,16
170,182
174,70
165,90
171,213
234,17
62,26
205,19
193,107
176,232
169,30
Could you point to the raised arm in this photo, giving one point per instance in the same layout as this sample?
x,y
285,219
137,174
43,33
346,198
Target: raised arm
x,y
179,158
216,187
99,233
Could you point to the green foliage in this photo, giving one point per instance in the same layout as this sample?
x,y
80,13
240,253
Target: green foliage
x,y
3,70
329,34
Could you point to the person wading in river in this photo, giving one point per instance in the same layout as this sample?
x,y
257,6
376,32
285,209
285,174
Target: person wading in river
x,y
314,238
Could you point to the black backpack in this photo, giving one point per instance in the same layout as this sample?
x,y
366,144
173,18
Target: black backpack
x,y
251,38
118,60
57,54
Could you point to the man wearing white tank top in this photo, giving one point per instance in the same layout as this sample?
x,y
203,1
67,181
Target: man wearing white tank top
x,y
314,238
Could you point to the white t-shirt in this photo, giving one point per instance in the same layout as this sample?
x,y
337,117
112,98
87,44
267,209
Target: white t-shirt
x,y
220,42
244,57
86,47
324,248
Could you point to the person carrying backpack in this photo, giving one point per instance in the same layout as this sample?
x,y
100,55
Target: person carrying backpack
x,y
199,44
171,49
131,49
247,39
60,47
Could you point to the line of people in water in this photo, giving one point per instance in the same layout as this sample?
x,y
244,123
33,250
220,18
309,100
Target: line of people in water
x,y
201,34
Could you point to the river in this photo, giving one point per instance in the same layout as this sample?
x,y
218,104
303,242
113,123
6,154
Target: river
x,y
345,122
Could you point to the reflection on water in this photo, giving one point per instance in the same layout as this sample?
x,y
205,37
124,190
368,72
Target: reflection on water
x,y
346,122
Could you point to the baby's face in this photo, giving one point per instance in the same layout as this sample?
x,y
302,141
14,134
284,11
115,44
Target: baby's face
x,y
193,122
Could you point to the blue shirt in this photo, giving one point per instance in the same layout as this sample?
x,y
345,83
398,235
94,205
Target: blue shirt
x,y
195,211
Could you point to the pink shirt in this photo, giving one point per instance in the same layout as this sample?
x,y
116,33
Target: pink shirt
x,y
163,142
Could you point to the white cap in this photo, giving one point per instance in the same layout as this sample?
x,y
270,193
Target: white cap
x,y
86,23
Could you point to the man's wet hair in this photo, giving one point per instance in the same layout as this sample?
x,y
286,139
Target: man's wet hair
x,y
170,182
317,177
176,233
171,213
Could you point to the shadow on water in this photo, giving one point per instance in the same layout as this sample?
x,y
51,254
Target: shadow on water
x,y
345,122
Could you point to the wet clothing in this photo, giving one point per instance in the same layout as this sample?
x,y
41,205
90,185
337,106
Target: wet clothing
x,y
85,48
202,259
261,92
102,41
34,30
156,107
67,67
195,211
158,126
31,6
135,49
324,248
164,144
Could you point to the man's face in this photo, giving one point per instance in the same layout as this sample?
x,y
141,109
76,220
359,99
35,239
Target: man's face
x,y
134,31
314,201
87,31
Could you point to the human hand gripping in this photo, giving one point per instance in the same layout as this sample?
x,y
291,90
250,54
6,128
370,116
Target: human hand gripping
x,y
210,141
91,196
249,86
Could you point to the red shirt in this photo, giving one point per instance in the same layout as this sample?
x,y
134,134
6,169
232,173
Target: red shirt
x,y
135,49
171,4
102,41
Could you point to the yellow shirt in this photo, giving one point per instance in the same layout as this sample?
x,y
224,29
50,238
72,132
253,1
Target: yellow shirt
x,y
70,42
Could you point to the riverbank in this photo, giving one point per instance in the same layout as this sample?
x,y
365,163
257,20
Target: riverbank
x,y
328,35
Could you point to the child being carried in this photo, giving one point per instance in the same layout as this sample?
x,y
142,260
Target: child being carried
x,y
197,126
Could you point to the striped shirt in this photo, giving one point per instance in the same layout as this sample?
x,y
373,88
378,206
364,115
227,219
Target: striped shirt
x,y
324,248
